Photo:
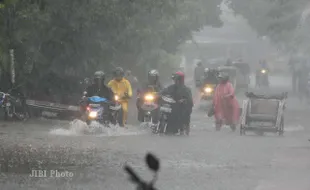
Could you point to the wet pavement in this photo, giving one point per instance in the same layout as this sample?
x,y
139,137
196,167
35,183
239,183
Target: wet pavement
x,y
205,160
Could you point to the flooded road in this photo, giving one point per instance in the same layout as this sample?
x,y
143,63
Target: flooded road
x,y
205,160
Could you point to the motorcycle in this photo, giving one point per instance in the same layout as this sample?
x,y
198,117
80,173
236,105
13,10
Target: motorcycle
x,y
153,164
9,104
207,93
148,106
165,112
101,110
262,78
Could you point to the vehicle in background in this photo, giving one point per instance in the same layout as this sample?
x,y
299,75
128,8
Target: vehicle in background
x,y
14,108
243,76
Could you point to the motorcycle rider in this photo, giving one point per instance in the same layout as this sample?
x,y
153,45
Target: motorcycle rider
x,y
154,86
210,76
122,88
228,62
302,76
97,88
292,64
199,70
132,79
181,111
263,66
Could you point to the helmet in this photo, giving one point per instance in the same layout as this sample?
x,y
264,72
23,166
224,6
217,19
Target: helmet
x,y
118,72
178,76
199,63
223,76
207,70
154,73
99,75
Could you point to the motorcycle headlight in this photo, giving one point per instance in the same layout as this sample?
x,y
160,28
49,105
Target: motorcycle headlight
x,y
116,97
149,97
208,90
93,114
263,71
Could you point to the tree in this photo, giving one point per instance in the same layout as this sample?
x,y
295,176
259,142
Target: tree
x,y
277,19
74,37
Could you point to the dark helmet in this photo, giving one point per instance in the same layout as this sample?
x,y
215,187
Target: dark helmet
x,y
178,76
118,72
99,76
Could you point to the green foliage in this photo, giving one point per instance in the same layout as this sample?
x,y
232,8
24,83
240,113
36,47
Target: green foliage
x,y
76,37
277,19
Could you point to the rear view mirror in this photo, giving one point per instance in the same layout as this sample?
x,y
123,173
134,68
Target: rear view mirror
x,y
152,162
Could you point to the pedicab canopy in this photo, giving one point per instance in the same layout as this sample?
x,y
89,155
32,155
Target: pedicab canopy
x,y
265,104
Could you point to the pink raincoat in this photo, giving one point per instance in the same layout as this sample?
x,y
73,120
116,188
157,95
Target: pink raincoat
x,y
226,107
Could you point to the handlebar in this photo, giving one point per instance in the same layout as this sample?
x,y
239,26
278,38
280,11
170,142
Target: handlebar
x,y
5,93
142,185
2,94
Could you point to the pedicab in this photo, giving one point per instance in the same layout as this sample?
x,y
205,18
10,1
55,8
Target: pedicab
x,y
231,71
263,113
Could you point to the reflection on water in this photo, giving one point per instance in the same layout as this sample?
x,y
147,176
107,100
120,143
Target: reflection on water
x,y
23,158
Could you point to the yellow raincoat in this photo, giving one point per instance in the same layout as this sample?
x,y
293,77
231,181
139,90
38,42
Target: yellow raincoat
x,y
119,88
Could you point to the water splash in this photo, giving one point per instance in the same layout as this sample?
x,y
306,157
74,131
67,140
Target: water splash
x,y
76,127
80,128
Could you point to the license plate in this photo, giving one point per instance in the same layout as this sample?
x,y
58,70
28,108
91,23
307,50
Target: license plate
x,y
148,103
49,114
165,109
8,104
207,94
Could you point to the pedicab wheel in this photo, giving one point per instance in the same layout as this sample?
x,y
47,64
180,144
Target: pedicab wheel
x,y
281,128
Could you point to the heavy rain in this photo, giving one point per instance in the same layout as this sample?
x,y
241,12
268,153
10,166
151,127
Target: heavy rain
x,y
166,94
